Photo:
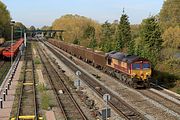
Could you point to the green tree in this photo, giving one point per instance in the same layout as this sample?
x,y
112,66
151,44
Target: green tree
x,y
46,28
106,37
89,34
32,28
169,14
150,35
76,41
124,40
4,21
19,25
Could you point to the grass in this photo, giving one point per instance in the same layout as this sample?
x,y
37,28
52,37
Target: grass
x,y
45,101
37,60
178,91
44,97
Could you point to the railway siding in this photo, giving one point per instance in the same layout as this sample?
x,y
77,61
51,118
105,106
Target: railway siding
x,y
27,106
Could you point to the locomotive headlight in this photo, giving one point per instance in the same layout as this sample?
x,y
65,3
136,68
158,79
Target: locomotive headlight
x,y
147,73
134,74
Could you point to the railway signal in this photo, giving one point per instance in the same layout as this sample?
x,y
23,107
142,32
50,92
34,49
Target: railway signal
x,y
77,83
107,111
78,73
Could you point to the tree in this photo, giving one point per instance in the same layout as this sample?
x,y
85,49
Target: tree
x,y
150,35
46,28
76,41
18,29
4,21
74,26
169,14
171,37
124,40
32,28
89,34
19,25
106,37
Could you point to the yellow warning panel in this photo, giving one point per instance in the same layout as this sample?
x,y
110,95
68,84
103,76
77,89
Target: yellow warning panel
x,y
27,83
27,118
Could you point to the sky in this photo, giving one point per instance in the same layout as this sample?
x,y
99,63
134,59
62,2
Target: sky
x,y
44,12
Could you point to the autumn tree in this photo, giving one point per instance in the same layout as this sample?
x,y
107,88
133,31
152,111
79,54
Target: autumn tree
x,y
74,26
171,37
169,14
4,21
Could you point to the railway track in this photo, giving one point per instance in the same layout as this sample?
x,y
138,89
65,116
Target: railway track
x,y
172,105
27,104
120,106
69,107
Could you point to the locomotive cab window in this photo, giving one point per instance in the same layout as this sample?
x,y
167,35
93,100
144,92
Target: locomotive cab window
x,y
109,61
146,66
136,66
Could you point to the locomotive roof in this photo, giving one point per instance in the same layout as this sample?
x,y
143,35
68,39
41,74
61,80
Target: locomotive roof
x,y
124,57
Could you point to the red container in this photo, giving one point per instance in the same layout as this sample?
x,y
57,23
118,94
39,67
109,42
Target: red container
x,y
13,49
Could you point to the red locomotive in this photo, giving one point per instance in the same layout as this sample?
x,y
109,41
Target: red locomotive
x,y
12,50
133,70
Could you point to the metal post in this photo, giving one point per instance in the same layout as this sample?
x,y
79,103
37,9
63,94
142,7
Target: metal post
x,y
21,32
8,85
106,109
9,82
4,96
6,91
11,42
106,98
25,39
1,103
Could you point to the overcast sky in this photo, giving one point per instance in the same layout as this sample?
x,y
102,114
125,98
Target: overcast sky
x,y
44,12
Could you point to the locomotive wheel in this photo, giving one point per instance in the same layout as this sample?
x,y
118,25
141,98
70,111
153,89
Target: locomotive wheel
x,y
134,85
147,85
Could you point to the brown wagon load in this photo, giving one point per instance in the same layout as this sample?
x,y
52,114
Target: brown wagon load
x,y
89,55
99,59
81,52
74,49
